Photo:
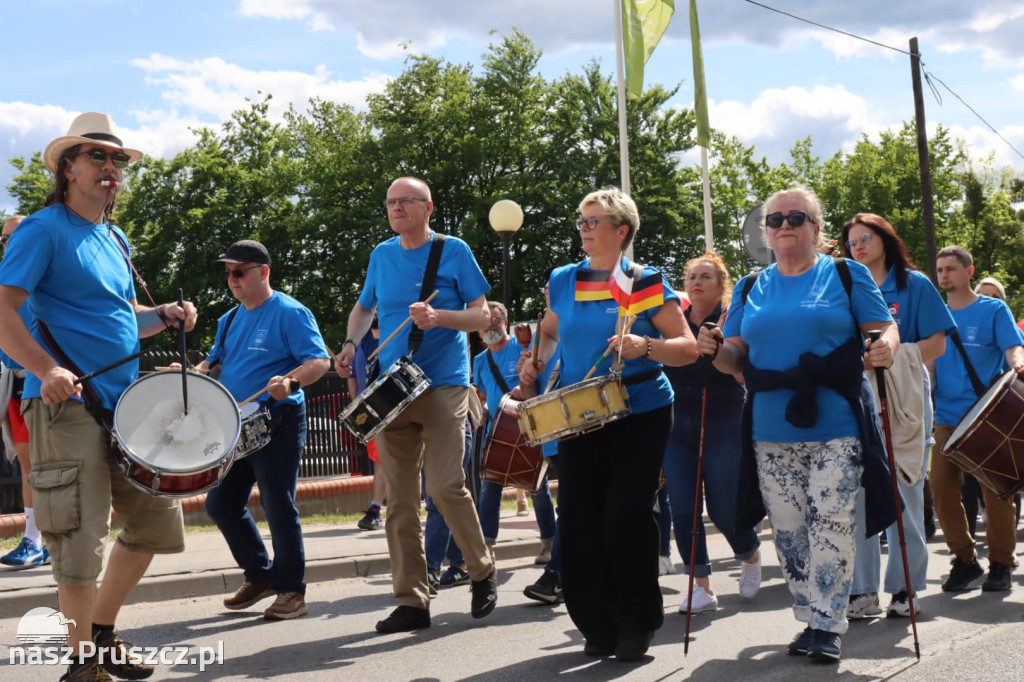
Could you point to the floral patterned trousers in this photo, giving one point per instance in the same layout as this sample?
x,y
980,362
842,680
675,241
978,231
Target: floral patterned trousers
x,y
809,490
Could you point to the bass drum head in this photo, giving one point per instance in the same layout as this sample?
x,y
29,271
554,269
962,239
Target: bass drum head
x,y
978,408
150,424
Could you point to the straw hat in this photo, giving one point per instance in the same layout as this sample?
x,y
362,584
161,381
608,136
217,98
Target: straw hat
x,y
88,128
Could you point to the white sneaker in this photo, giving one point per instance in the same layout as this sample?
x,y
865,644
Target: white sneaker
x,y
863,605
750,578
702,601
900,605
665,565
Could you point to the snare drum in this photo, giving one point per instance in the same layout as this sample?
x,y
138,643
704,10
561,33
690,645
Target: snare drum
x,y
165,452
987,441
574,409
509,460
384,399
255,432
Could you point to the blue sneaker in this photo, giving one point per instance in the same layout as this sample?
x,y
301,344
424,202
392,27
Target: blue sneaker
x,y
26,554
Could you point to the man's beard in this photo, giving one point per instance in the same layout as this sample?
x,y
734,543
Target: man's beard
x,y
493,337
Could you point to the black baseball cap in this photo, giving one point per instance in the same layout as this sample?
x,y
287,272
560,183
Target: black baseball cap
x,y
246,251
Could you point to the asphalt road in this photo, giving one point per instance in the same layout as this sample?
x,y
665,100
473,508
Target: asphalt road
x,y
972,636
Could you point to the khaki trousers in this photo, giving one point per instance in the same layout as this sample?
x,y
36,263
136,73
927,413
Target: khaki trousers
x,y
946,478
431,433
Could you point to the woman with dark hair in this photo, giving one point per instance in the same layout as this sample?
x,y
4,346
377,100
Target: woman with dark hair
x,y
923,321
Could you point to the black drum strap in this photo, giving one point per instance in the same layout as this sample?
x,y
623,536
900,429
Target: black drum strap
x,y
979,388
93,404
427,286
502,384
224,340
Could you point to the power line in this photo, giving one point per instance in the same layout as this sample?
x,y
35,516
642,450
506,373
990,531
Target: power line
x,y
928,76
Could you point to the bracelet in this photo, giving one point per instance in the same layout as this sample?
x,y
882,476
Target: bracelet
x,y
649,347
160,312
348,341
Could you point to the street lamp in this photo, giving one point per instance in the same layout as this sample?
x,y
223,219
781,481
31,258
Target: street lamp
x,y
506,217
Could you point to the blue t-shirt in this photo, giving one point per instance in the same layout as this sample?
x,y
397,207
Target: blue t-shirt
x,y
786,316
506,360
918,308
393,281
270,340
363,351
987,330
585,326
25,311
80,285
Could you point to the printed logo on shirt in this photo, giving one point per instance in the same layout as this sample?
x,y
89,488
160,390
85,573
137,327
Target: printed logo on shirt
x,y
971,335
894,308
817,299
614,310
259,341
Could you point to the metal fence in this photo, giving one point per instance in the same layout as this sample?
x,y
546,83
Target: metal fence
x,y
331,450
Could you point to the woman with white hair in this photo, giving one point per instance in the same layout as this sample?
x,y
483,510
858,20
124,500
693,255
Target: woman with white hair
x,y
795,331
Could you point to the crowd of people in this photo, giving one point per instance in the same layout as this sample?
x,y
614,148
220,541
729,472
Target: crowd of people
x,y
751,400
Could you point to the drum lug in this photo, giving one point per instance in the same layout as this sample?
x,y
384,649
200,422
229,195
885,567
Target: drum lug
x,y
565,411
604,398
155,485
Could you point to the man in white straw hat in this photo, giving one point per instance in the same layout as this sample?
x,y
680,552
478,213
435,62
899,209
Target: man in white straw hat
x,y
72,265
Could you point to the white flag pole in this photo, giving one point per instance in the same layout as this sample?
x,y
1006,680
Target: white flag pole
x,y
709,239
623,139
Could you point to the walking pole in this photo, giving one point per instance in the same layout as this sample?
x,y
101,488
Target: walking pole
x,y
696,504
883,398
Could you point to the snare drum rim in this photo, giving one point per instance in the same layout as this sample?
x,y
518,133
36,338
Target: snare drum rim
x,y
130,454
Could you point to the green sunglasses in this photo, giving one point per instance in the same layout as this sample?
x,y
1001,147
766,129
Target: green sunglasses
x,y
98,157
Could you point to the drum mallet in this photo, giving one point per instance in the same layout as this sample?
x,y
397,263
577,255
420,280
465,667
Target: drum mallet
x,y
116,364
400,327
883,398
696,502
182,352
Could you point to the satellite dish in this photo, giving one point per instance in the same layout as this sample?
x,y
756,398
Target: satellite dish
x,y
753,237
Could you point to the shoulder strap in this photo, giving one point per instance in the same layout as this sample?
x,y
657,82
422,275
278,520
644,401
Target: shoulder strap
x,y
502,384
427,286
843,268
979,388
93,404
748,285
224,336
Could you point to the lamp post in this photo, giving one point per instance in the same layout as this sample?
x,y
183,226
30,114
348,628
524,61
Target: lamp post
x,y
506,217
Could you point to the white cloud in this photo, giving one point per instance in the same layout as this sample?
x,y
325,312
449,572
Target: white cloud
x,y
214,88
981,142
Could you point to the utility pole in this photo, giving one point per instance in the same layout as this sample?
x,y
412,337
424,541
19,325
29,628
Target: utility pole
x,y
927,205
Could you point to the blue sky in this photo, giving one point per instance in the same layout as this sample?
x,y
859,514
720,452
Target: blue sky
x,y
162,67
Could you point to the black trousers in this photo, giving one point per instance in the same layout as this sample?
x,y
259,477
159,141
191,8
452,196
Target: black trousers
x,y
608,487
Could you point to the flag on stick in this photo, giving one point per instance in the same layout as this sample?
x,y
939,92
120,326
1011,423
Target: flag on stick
x,y
643,24
635,296
700,93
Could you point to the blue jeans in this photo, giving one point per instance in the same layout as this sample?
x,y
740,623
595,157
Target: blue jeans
x,y
275,468
490,511
721,462
437,539
868,564
664,522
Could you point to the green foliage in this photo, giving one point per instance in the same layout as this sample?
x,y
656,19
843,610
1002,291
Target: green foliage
x,y
311,186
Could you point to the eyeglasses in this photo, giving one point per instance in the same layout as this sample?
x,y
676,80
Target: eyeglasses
x,y
863,239
98,157
402,201
795,219
240,272
497,321
588,224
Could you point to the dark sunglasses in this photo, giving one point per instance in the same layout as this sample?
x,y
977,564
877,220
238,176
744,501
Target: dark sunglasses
x,y
240,272
795,219
98,157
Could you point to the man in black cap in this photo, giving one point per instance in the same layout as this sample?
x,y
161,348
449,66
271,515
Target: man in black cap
x,y
258,344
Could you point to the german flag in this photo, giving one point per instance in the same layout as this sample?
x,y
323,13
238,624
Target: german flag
x,y
647,293
592,286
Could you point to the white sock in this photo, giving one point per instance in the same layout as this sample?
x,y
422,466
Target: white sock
x,y
31,531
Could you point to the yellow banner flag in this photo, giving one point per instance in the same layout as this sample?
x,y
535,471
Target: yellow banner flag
x,y
700,92
643,24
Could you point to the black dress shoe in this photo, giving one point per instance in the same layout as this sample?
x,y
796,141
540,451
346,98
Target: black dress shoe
x,y
595,649
633,645
405,619
485,594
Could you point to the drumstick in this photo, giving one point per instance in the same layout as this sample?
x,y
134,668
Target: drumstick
x,y
191,369
400,327
257,395
536,343
114,365
608,350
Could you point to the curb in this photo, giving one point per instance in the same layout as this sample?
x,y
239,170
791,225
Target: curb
x,y
226,581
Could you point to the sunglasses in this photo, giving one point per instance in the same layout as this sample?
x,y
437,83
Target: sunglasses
x,y
98,157
240,272
795,219
863,239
